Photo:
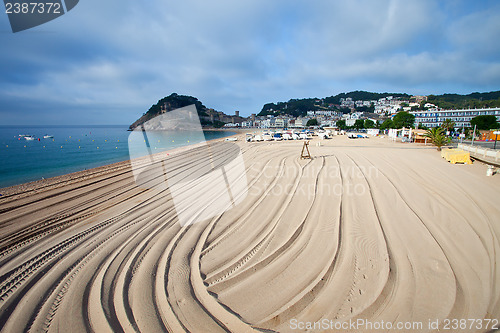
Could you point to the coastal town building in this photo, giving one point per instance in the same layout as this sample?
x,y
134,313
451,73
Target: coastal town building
x,y
461,118
327,123
379,109
350,122
328,113
232,125
347,103
419,99
280,123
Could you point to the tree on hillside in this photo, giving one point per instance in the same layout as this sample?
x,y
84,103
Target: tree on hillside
x,y
312,122
169,103
175,101
266,109
359,124
365,108
474,100
448,124
386,124
369,123
341,124
484,122
437,136
420,126
218,124
403,119
362,95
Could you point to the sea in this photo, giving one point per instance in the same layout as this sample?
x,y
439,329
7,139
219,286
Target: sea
x,y
76,148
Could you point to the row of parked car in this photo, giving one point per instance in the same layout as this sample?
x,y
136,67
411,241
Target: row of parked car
x,y
357,136
279,136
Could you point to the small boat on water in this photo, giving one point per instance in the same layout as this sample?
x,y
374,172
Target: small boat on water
x,y
46,136
29,137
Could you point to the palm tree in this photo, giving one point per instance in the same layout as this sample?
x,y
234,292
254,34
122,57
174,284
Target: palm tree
x,y
448,124
437,136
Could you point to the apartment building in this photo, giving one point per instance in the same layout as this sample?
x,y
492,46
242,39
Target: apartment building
x,y
462,118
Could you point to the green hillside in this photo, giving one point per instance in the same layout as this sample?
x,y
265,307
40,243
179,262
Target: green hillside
x,y
299,107
474,100
172,102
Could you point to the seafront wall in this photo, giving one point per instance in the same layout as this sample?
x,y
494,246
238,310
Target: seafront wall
x,y
481,152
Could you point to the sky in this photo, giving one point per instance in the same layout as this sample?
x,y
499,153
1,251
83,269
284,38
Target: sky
x,y
107,62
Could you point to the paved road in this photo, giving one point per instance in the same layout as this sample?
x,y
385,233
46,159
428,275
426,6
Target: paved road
x,y
489,144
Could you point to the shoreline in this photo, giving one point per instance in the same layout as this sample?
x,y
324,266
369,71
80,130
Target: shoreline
x,y
70,177
366,229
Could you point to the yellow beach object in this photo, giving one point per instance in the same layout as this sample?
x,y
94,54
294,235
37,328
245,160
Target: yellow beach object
x,y
456,156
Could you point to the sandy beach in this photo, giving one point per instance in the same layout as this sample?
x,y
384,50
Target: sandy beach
x,y
367,231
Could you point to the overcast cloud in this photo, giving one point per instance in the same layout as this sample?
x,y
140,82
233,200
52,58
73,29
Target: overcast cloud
x,y
106,62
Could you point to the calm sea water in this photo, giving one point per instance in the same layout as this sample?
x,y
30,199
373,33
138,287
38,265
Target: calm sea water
x,y
74,148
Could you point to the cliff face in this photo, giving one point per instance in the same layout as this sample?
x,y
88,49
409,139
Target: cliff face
x,y
169,103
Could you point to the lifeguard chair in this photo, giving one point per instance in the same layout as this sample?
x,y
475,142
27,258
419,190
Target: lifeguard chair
x,y
305,151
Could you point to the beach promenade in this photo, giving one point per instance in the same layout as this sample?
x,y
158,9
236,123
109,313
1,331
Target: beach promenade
x,y
367,231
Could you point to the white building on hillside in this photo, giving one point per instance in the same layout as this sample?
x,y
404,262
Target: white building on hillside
x,y
462,118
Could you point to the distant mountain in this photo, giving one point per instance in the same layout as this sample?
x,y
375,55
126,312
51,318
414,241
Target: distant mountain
x,y
294,107
473,100
362,96
172,102
299,107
